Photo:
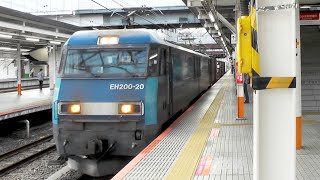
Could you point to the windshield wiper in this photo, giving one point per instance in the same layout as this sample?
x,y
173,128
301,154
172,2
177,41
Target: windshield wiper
x,y
92,74
126,70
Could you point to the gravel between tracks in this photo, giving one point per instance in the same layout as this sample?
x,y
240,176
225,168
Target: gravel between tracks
x,y
38,169
17,139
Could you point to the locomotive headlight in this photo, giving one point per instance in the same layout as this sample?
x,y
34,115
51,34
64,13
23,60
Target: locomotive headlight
x,y
108,40
126,108
130,108
69,108
75,108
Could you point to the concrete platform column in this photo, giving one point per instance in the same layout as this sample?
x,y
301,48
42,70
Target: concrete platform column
x,y
19,69
298,92
52,66
275,107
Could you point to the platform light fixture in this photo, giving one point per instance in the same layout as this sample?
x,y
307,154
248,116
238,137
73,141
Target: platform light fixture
x,y
219,33
55,42
5,48
212,17
32,39
5,36
216,26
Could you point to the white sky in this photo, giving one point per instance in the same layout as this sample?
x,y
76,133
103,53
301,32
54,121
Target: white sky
x,y
65,5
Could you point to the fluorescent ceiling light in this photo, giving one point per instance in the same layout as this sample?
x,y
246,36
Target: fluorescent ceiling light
x,y
32,39
13,49
212,17
305,7
5,48
219,33
55,42
216,26
5,36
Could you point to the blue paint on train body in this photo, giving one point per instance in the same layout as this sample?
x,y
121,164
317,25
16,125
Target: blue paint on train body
x,y
151,101
92,37
109,90
102,90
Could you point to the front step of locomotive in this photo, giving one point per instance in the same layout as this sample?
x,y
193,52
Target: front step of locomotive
x,y
98,168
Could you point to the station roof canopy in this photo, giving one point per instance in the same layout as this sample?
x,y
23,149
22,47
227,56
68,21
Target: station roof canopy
x,y
30,31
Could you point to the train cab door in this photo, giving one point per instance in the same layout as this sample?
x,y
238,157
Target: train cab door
x,y
169,81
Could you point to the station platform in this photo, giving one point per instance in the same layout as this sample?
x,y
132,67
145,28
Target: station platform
x,y
207,142
13,105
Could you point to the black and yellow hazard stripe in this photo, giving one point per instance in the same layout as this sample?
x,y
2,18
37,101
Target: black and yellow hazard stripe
x,y
259,83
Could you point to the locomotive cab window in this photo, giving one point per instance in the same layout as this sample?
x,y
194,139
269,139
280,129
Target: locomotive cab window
x,y
153,63
106,63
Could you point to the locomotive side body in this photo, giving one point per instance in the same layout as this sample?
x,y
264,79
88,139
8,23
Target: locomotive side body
x,y
115,90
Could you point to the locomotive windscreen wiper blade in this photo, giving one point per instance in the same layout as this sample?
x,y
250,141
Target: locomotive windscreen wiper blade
x,y
85,69
126,70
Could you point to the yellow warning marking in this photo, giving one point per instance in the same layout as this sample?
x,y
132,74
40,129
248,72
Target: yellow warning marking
x,y
186,164
239,124
253,17
279,82
311,122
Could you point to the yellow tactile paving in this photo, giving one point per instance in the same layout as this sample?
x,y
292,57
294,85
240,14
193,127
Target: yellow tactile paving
x,y
185,166
311,122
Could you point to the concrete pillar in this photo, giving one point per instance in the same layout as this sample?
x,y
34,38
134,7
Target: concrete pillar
x,y
275,109
52,67
19,69
298,91
27,69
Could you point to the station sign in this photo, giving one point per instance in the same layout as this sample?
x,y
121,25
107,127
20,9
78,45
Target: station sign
x,y
310,17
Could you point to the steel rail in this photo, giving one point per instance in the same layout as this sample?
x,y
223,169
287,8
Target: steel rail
x,y
25,147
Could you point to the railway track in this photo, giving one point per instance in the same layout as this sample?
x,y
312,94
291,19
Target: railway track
x,y
39,153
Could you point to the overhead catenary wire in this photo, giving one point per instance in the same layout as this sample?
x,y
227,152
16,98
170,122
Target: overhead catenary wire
x,y
118,14
139,15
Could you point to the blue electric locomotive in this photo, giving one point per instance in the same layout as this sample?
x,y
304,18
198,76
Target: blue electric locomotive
x,y
115,89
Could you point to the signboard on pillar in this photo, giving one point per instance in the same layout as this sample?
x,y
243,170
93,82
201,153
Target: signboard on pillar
x,y
233,39
310,17
239,76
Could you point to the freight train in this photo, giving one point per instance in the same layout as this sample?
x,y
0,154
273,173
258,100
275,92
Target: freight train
x,y
114,91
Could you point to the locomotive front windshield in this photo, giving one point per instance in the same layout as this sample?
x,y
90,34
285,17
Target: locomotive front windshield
x,y
105,63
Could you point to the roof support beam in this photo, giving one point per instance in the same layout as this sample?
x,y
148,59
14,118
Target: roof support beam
x,y
226,23
194,3
33,30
